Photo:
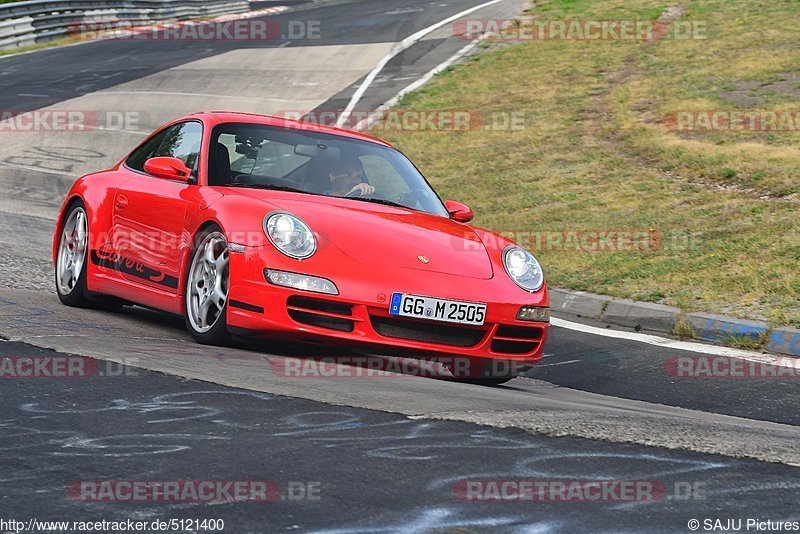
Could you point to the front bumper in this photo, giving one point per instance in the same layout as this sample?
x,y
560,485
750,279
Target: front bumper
x,y
359,315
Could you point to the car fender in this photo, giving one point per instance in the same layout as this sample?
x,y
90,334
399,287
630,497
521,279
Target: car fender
x,y
96,190
239,217
495,243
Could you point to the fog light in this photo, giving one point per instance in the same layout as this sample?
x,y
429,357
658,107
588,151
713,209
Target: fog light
x,y
303,282
534,313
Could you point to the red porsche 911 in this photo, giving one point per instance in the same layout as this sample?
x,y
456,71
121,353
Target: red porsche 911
x,y
256,225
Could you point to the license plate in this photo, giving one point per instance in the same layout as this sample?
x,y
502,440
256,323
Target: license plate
x,y
448,311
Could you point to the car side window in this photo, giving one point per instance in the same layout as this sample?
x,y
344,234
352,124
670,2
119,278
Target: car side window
x,y
182,141
145,151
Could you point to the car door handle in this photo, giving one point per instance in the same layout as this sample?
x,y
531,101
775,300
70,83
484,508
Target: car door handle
x,y
121,202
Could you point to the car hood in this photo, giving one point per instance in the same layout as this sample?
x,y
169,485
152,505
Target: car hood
x,y
389,237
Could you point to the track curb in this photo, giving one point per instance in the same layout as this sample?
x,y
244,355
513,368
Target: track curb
x,y
669,320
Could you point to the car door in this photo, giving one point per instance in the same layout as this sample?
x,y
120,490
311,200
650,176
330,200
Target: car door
x,y
149,213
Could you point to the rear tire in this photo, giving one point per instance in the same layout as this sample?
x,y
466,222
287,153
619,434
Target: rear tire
x,y
207,282
70,268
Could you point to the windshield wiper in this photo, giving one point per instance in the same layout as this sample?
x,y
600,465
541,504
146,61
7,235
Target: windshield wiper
x,y
275,187
381,201
272,187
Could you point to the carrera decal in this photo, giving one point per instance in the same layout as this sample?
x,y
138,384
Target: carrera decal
x,y
112,260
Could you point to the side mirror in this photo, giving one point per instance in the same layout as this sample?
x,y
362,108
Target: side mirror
x,y
168,169
458,211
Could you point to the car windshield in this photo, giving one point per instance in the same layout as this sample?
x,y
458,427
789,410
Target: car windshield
x,y
266,157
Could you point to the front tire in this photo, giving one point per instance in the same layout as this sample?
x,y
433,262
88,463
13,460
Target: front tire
x,y
488,373
488,382
207,283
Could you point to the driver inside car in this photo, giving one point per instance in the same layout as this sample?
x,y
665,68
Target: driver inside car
x,y
347,179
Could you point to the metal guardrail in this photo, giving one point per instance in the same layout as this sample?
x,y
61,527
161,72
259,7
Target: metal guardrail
x,y
36,21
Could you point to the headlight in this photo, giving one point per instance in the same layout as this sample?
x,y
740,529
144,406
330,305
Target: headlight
x,y
290,235
523,268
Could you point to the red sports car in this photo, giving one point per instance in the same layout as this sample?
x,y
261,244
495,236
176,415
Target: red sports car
x,y
249,224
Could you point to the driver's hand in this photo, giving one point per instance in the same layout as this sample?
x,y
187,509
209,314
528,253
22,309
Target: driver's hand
x,y
362,189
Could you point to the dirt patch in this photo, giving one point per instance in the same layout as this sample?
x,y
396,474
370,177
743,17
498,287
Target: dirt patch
x,y
751,93
671,14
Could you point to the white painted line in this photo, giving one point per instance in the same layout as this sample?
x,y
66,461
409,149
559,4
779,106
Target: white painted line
x,y
368,121
687,346
552,364
398,48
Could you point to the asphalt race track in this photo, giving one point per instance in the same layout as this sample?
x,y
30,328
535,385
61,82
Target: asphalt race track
x,y
381,453
159,427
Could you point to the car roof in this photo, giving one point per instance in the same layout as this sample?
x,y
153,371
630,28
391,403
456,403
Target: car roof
x,y
282,122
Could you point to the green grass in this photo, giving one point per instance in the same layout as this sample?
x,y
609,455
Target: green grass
x,y
745,342
595,153
683,329
38,46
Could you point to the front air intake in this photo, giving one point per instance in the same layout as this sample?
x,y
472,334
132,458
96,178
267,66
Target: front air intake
x,y
321,313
